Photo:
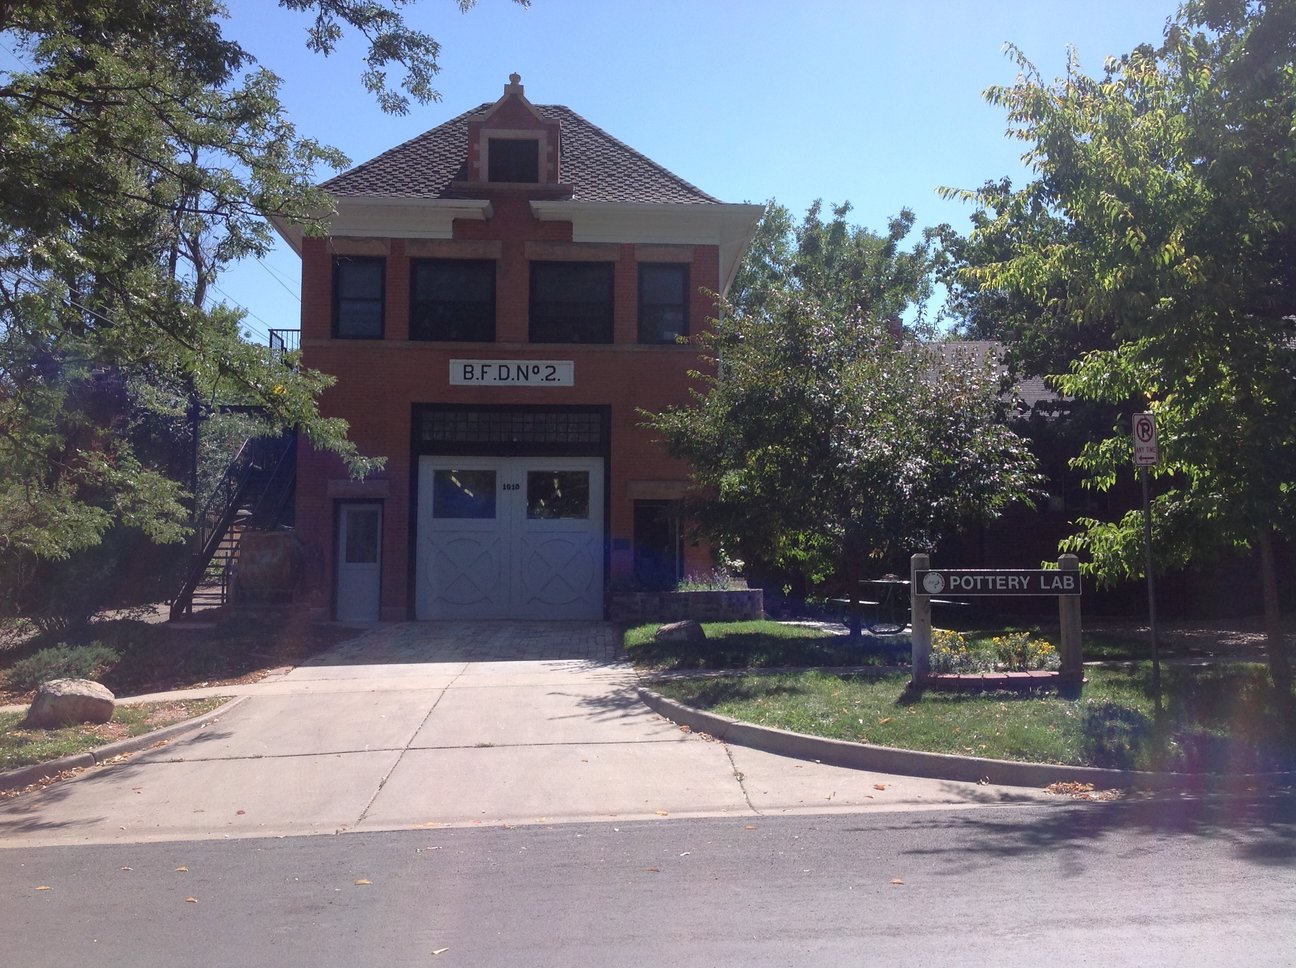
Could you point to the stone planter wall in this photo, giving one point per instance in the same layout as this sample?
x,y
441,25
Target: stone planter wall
x,y
736,605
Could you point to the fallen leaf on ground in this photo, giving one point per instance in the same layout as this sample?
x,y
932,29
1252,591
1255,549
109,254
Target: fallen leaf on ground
x,y
363,881
44,887
662,813
440,951
192,900
879,786
653,870
182,870
896,880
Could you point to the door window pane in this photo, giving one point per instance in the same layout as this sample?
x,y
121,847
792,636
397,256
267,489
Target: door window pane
x,y
463,494
557,494
361,536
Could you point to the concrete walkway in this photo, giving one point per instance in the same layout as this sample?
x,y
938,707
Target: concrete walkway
x,y
424,725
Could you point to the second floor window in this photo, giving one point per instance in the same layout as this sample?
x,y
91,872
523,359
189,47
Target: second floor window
x,y
571,302
452,299
358,298
663,302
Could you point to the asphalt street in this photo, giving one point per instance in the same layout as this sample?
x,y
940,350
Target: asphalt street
x,y
1158,883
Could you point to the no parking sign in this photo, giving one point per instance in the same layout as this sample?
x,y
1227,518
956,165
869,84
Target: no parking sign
x,y
1145,440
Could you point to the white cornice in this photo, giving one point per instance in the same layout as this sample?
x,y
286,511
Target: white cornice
x,y
393,216
729,227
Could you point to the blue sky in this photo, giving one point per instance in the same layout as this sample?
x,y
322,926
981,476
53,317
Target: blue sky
x,y
876,102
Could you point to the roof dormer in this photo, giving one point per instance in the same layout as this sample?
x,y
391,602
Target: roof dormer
x,y
513,146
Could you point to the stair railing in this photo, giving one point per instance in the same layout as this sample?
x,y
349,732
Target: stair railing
x,y
223,505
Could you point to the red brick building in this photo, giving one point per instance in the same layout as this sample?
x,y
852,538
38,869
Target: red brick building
x,y
497,298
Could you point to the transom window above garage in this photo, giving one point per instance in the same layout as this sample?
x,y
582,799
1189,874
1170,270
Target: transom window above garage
x,y
452,299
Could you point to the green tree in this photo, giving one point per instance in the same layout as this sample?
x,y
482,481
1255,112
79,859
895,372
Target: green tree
x,y
1173,179
142,153
820,434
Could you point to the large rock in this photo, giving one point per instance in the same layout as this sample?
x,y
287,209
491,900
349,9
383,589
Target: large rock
x,y
65,702
686,631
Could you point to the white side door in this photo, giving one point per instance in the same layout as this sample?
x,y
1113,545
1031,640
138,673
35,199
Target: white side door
x,y
359,562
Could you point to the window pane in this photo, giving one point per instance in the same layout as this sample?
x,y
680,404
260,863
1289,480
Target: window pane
x,y
360,318
361,535
463,494
663,302
513,160
571,302
358,298
453,299
360,280
557,494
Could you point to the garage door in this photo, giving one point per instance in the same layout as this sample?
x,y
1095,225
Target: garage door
x,y
510,537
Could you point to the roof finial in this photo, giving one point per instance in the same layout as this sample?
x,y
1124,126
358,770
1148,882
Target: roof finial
x,y
514,86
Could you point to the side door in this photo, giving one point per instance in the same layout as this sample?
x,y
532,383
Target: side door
x,y
359,561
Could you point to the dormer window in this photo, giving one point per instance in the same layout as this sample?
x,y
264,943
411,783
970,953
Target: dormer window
x,y
513,160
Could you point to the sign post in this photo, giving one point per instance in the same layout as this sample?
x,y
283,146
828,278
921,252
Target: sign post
x,y
1146,454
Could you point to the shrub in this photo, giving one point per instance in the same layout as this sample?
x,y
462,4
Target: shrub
x,y
717,581
61,662
950,652
1018,652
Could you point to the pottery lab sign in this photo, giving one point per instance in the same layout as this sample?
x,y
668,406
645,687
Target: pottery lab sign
x,y
997,581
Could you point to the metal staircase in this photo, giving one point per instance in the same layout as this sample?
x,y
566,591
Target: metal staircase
x,y
255,493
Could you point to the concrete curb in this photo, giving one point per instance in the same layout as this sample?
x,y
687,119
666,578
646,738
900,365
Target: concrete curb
x,y
27,775
943,766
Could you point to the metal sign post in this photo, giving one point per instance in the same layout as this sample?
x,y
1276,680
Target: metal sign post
x,y
1146,455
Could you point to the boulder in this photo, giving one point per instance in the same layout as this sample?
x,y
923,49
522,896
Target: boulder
x,y
686,631
65,702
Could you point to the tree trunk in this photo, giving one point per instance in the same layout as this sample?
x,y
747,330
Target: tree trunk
x,y
1275,641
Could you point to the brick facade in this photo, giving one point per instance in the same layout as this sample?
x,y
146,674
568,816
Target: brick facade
x,y
379,382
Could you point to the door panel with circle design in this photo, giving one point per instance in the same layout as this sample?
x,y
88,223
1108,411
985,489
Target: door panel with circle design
x,y
510,538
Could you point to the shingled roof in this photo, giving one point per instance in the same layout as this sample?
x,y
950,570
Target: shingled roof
x,y
597,166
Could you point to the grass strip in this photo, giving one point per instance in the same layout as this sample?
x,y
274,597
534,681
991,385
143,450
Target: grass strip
x,y
24,747
1222,717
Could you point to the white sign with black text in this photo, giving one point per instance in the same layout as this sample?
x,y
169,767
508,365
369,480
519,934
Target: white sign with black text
x,y
1145,440
512,373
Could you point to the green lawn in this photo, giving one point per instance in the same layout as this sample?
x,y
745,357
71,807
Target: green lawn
x,y
1218,718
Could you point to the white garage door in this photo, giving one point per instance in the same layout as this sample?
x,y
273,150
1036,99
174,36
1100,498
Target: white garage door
x,y
510,537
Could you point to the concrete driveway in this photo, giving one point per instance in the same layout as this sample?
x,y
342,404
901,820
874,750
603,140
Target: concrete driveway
x,y
447,724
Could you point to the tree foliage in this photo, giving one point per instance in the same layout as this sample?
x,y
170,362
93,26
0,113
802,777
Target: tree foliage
x,y
821,434
1159,230
140,153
